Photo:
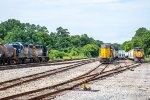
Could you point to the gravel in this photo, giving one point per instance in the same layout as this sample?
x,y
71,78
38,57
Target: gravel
x,y
48,81
20,72
129,85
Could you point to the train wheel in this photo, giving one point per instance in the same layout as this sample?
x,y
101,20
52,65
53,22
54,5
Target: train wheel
x,y
23,60
12,62
40,60
3,62
31,60
0,62
18,61
8,62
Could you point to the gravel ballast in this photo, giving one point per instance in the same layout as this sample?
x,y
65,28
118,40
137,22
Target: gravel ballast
x,y
48,81
129,85
20,72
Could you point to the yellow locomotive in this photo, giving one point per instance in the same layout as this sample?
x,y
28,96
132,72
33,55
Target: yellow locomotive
x,y
107,53
137,54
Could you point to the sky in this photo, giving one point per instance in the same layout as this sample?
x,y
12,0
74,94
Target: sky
x,y
111,21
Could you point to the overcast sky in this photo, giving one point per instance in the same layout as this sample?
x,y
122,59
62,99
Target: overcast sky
x,y
113,21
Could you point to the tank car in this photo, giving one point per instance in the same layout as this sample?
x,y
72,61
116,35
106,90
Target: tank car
x,y
107,53
136,54
6,53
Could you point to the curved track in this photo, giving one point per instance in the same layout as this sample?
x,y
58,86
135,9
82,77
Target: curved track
x,y
18,81
51,91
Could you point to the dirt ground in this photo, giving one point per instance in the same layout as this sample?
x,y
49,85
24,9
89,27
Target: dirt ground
x,y
129,85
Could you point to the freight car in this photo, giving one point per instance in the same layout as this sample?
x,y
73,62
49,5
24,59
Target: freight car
x,y
136,54
121,54
107,53
17,52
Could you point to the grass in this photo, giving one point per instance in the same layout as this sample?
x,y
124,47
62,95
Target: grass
x,y
73,57
147,59
68,58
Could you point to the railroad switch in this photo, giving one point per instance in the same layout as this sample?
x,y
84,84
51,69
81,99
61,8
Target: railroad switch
x,y
85,87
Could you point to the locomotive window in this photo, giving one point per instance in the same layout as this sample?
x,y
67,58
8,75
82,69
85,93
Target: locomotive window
x,y
15,46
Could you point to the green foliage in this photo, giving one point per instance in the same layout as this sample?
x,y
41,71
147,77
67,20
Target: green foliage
x,y
147,58
127,45
8,26
60,43
91,50
55,54
1,41
116,46
140,39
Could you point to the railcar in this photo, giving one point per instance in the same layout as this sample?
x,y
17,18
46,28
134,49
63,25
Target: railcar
x,y
18,52
136,54
107,53
121,54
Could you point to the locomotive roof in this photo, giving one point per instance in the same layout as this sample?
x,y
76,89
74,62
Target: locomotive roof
x,y
138,48
22,43
106,45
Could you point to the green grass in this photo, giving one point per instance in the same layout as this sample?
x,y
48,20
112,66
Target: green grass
x,y
147,59
68,58
73,57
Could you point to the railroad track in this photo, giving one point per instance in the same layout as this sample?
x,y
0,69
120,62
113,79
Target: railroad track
x,y
89,78
18,81
83,75
50,91
8,67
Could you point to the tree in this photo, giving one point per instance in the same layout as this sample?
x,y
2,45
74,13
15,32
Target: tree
x,y
8,26
116,46
140,32
127,45
91,50
62,32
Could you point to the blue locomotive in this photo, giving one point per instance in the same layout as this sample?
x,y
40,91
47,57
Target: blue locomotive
x,y
18,52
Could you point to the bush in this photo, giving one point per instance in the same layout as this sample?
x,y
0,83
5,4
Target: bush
x,y
55,54
90,50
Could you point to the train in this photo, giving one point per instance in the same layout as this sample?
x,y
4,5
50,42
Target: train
x,y
19,52
107,53
136,54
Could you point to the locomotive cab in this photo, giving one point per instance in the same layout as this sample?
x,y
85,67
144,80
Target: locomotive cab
x,y
138,54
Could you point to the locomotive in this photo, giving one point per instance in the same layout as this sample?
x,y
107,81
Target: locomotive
x,y
136,54
107,53
18,52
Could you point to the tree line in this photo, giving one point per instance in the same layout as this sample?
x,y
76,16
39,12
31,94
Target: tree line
x,y
63,45
60,43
